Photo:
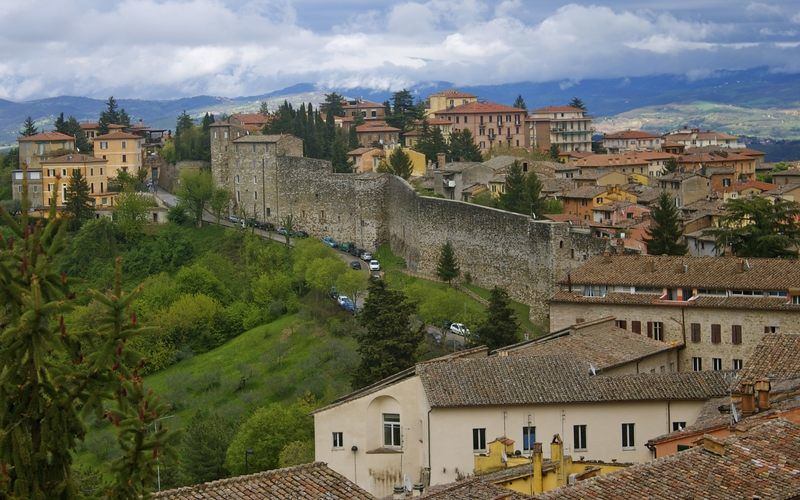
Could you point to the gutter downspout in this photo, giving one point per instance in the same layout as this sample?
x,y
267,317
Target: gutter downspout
x,y
683,333
430,469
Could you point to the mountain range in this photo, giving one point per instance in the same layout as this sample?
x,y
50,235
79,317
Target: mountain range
x,y
747,102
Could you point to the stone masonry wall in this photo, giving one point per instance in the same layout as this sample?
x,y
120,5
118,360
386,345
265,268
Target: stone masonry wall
x,y
497,248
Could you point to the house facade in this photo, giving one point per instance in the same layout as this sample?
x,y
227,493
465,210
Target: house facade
x,y
631,140
57,171
122,150
696,138
448,99
490,124
567,127
35,148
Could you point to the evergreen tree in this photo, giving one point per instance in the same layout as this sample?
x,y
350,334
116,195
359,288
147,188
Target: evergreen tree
x,y
520,103
522,192
109,116
333,104
664,235
554,152
403,112
61,124
447,269
759,227
124,119
576,102
387,344
463,147
431,142
339,159
399,164
78,204
28,128
205,442
264,108
670,165
501,327
352,134
53,376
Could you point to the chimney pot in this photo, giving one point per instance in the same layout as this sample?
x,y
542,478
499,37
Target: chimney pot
x,y
747,399
762,388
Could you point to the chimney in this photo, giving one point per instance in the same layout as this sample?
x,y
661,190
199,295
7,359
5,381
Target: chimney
x,y
538,486
740,265
441,159
557,456
419,488
399,493
747,399
762,388
713,445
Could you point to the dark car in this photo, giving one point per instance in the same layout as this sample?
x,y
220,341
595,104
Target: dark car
x,y
355,265
282,230
265,226
355,251
300,234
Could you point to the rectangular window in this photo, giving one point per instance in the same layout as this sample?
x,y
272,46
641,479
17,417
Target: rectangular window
x,y
677,426
772,329
736,334
63,172
579,437
636,326
658,330
737,364
338,440
391,429
695,332
716,334
479,440
716,364
103,145
628,436
124,158
124,144
528,437
697,364
621,323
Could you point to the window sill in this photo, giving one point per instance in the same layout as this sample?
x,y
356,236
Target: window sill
x,y
629,448
338,449
583,450
385,450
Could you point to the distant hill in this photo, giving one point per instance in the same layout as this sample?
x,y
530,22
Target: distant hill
x,y
749,92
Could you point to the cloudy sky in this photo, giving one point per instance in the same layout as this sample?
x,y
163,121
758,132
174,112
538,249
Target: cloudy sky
x,y
171,48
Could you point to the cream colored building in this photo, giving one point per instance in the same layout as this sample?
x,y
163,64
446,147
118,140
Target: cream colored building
x,y
569,128
56,173
696,138
123,151
605,390
718,308
35,148
448,99
631,140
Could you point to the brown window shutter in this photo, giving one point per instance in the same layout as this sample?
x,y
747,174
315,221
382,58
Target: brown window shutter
x,y
695,332
716,334
736,334
650,329
766,329
636,327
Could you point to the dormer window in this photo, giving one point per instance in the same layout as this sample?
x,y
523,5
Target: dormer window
x,y
595,290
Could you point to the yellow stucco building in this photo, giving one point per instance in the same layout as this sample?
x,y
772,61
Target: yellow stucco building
x,y
57,171
123,151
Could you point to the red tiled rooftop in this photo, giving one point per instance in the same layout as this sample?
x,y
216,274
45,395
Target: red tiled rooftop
x,y
46,136
118,134
479,108
631,134
559,109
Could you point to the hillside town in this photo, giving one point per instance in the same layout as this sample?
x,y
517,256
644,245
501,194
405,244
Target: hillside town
x,y
424,292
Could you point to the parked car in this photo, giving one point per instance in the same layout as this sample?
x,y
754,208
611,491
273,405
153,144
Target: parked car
x,y
355,265
355,251
329,241
282,230
347,303
234,219
345,247
265,226
460,329
300,234
374,265
251,222
366,256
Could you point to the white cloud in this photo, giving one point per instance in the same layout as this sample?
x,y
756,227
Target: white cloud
x,y
164,48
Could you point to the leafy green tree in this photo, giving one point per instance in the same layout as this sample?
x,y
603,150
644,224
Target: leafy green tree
x,y
485,199
501,327
196,279
387,343
576,102
463,147
339,159
261,438
552,206
28,128
665,234
554,152
220,199
288,226
670,165
403,112
205,441
447,269
759,227
321,274
79,203
195,192
130,214
194,321
352,283
520,103
296,453
54,375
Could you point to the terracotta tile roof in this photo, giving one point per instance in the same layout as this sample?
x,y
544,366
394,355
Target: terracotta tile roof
x,y
474,488
558,109
438,121
716,156
454,94
251,118
360,151
700,272
545,379
376,127
782,189
585,192
557,185
74,158
89,125
631,134
479,108
792,172
362,104
761,463
599,342
311,481
46,136
611,160
747,303
117,134
741,186
776,357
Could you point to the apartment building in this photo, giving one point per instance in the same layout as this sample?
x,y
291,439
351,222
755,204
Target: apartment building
x,y
631,140
122,150
377,134
448,99
569,128
56,173
685,187
35,148
429,422
33,187
718,308
491,124
367,110
743,166
696,138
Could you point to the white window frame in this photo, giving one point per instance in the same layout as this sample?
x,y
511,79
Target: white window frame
x,y
716,364
479,438
580,443
338,440
629,436
391,422
697,364
737,364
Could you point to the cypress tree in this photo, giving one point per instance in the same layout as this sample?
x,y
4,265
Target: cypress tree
x,y
665,234
520,103
501,327
387,344
400,164
78,204
61,124
447,268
